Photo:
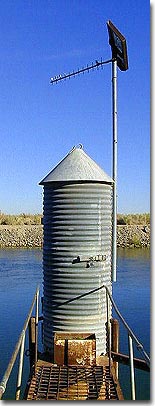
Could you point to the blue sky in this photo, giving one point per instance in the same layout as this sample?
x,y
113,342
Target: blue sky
x,y
40,123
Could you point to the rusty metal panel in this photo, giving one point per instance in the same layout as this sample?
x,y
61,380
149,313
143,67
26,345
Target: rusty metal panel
x,y
74,349
60,349
81,352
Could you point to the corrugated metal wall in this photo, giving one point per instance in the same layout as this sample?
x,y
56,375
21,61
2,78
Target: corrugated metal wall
x,y
77,222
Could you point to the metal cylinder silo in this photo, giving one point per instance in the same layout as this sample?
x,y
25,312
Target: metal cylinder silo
x,y
76,248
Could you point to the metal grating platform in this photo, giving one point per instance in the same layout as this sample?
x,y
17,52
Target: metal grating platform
x,y
53,382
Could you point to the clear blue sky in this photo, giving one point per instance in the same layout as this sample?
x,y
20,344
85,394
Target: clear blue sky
x,y
40,123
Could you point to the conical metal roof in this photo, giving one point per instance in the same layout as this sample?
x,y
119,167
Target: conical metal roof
x,y
77,166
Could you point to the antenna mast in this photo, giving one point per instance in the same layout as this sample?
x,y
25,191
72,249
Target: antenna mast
x,y
119,59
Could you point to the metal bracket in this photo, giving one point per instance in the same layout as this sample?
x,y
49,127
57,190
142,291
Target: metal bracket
x,y
89,261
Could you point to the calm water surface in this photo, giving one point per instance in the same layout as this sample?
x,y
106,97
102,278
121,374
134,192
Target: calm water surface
x,y
21,272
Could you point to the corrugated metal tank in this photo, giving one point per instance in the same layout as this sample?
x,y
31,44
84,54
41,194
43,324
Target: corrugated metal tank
x,y
77,226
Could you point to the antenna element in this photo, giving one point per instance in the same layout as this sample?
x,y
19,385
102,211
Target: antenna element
x,y
64,76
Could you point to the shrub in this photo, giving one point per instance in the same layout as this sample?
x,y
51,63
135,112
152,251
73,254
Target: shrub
x,y
135,240
131,219
20,219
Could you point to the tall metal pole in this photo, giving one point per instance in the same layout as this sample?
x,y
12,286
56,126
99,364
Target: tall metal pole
x,y
119,59
114,228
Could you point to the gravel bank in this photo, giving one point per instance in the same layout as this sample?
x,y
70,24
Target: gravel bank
x,y
21,236
133,236
32,236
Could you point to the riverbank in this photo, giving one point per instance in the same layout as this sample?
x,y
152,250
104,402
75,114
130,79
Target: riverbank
x,y
25,236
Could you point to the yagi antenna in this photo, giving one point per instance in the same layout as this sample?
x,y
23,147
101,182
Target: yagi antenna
x,y
64,76
119,59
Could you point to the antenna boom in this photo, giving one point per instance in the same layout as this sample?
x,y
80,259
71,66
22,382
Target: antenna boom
x,y
64,76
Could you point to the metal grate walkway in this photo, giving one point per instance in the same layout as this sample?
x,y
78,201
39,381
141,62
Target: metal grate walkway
x,y
53,382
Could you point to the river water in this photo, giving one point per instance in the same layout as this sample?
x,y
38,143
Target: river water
x,y
21,272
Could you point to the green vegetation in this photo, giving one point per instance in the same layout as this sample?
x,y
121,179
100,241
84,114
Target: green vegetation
x,y
20,219
133,219
34,219
135,241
